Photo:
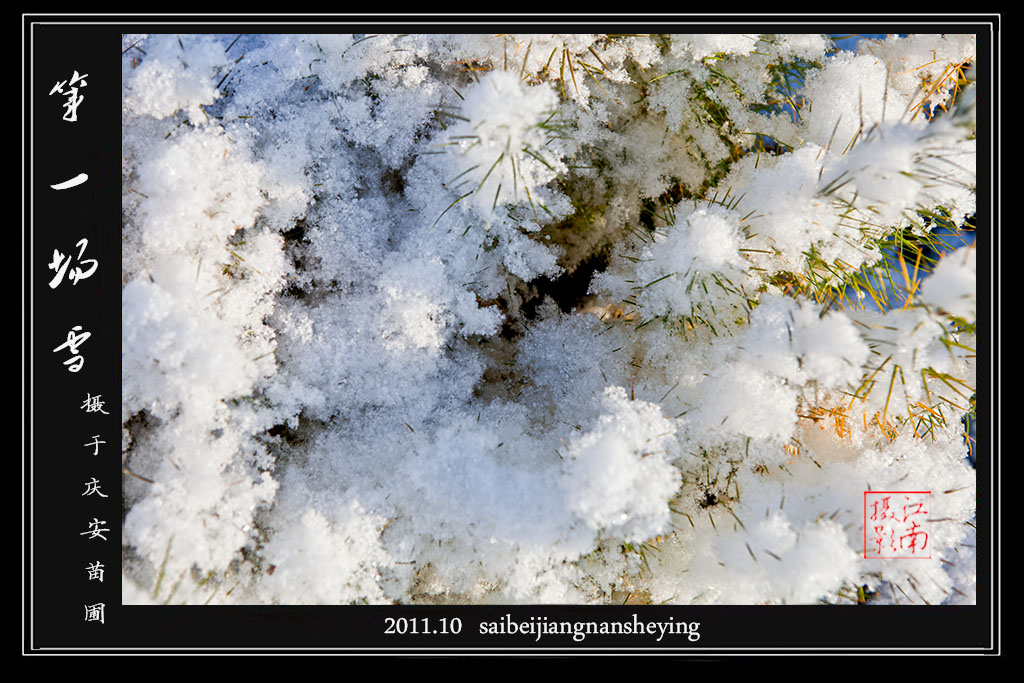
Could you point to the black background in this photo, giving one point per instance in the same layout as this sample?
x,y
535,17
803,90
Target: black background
x,y
57,462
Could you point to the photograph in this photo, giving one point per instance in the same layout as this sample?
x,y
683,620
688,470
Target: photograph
x,y
548,318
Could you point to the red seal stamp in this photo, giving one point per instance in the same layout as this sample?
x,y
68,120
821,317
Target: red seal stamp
x,y
896,524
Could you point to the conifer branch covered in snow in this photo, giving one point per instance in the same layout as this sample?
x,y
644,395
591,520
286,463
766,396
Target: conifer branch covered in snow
x,y
540,318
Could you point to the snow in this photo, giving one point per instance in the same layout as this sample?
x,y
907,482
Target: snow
x,y
354,371
952,288
501,147
618,478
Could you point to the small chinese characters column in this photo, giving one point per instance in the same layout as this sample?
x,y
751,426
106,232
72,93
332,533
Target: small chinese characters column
x,y
74,308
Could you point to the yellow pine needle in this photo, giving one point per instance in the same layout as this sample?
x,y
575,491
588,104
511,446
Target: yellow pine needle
x,y
869,383
589,71
892,381
882,304
550,57
598,58
525,58
934,87
561,72
887,429
927,409
916,68
911,284
572,72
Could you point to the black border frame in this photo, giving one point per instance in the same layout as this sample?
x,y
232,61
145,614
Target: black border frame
x,y
52,425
